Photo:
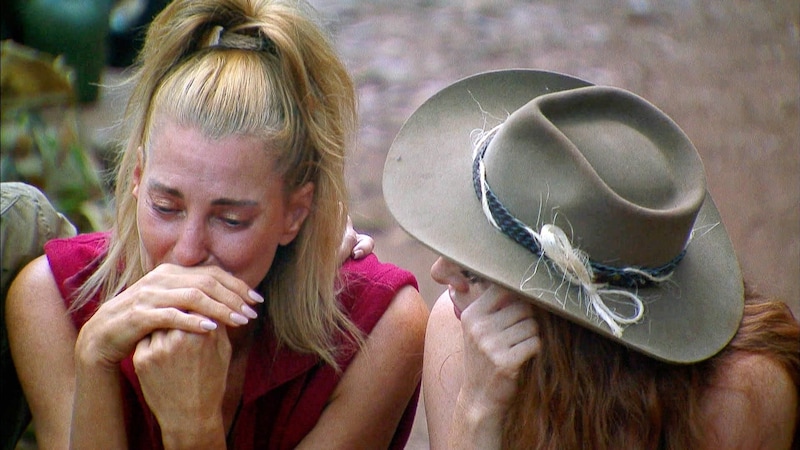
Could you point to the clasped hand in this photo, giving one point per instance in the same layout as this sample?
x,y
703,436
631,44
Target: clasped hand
x,y
175,321
170,297
183,377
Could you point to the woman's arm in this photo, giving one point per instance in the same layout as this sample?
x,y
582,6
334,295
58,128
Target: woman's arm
x,y
472,365
73,380
42,340
370,399
169,299
97,419
751,404
448,412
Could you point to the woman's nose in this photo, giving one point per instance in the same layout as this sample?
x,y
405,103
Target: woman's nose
x,y
438,269
191,247
446,272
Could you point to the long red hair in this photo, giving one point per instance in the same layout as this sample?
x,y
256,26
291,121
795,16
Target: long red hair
x,y
585,391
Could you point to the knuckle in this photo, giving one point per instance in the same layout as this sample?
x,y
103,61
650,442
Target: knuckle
x,y
140,362
529,327
213,274
142,359
180,337
488,347
171,315
206,282
192,294
161,269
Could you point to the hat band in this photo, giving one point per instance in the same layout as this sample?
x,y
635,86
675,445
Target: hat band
x,y
553,246
627,277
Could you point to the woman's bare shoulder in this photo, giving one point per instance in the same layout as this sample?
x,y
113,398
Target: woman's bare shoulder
x,y
443,336
42,340
34,302
751,404
35,279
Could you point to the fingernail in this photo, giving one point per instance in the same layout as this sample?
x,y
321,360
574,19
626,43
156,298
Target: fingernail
x,y
249,312
239,319
256,296
208,325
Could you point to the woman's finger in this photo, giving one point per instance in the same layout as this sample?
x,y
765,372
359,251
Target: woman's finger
x,y
365,245
208,291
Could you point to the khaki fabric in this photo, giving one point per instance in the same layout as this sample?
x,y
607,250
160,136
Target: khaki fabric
x,y
28,220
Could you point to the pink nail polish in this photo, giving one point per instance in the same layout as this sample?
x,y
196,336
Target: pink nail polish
x,y
239,319
249,312
256,296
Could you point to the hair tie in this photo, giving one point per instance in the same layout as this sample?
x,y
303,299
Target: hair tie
x,y
247,39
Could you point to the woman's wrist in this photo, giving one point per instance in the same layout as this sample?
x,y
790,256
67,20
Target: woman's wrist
x,y
88,354
476,424
89,359
97,417
206,433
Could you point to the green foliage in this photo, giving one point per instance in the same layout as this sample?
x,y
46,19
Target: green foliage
x,y
40,142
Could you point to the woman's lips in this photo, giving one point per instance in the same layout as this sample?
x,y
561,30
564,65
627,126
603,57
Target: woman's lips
x,y
457,311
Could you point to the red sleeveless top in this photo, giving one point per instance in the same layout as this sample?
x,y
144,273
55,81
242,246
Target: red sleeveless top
x,y
284,391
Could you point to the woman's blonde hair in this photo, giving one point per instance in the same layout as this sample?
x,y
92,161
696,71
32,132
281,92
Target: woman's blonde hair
x,y
261,68
586,391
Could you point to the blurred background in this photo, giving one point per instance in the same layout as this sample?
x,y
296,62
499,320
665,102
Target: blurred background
x,y
727,71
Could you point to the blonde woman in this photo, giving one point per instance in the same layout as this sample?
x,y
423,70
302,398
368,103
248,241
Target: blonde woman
x,y
593,296
215,313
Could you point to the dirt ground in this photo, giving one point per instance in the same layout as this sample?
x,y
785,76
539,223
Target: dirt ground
x,y
727,71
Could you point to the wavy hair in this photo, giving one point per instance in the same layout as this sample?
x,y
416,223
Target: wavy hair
x,y
262,68
585,391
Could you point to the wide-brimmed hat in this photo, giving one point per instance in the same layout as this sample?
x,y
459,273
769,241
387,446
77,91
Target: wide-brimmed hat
x,y
587,199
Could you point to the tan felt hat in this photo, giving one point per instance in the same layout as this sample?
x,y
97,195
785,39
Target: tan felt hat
x,y
587,199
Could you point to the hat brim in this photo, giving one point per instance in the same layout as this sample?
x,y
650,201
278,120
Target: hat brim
x,y
427,186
